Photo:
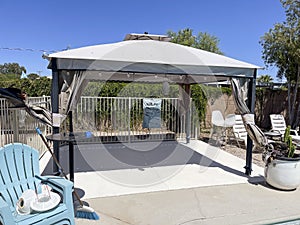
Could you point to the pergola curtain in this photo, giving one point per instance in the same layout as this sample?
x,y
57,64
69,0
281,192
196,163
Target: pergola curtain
x,y
71,89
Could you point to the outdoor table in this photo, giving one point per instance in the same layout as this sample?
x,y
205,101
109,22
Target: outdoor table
x,y
71,138
273,135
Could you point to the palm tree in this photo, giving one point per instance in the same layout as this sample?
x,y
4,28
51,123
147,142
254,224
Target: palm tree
x,y
267,79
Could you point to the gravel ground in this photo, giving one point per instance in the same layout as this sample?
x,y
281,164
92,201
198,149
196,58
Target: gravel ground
x,y
233,148
241,153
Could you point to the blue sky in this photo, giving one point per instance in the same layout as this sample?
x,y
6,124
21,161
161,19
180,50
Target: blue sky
x,y
58,24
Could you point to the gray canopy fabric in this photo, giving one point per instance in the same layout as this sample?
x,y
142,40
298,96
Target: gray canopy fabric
x,y
240,96
71,89
142,61
148,56
254,132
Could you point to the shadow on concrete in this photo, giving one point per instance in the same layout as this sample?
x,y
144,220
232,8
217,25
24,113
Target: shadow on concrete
x,y
118,156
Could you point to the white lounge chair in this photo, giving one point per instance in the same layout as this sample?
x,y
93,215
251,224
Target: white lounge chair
x,y
279,125
239,130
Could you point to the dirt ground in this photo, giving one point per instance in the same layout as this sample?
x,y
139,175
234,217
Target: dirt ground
x,y
231,146
241,153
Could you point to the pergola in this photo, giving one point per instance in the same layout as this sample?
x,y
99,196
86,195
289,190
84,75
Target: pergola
x,y
145,58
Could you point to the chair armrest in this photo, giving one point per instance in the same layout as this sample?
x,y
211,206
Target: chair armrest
x,y
60,184
275,131
293,132
6,216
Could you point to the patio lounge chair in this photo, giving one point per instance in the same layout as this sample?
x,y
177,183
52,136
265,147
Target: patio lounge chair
x,y
239,130
279,125
19,171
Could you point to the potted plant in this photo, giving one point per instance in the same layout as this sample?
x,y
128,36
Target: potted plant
x,y
282,164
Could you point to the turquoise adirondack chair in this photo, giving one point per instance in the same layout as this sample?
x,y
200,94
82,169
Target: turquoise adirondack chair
x,y
19,171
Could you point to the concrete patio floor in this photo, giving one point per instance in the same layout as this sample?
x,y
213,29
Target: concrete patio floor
x,y
103,170
175,183
234,204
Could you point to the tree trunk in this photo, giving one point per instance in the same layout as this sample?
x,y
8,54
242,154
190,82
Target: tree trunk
x,y
292,102
289,102
298,110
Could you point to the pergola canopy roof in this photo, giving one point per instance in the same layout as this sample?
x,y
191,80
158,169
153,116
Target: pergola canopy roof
x,y
149,57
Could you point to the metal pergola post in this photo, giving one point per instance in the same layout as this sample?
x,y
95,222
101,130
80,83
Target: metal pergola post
x,y
251,106
55,108
187,104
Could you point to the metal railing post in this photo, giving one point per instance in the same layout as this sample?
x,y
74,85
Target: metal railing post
x,y
129,117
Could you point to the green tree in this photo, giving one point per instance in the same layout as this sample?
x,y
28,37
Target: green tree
x,y
281,48
9,77
208,42
33,88
33,85
12,68
32,76
202,41
267,79
183,37
37,87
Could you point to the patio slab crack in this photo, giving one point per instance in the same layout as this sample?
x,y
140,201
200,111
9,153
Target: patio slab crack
x,y
116,218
